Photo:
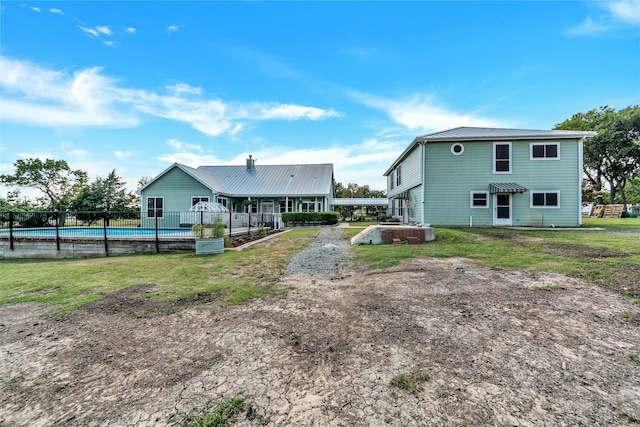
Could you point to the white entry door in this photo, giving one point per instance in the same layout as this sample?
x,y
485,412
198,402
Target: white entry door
x,y
502,209
267,207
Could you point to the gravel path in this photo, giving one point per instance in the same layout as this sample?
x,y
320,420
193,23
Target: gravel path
x,y
328,254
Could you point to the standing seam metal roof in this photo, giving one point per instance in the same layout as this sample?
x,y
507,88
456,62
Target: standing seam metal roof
x,y
274,180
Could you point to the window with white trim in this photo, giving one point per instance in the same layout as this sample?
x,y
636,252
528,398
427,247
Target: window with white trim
x,y
155,207
222,201
399,175
391,181
286,205
501,157
479,199
197,199
545,199
545,151
309,207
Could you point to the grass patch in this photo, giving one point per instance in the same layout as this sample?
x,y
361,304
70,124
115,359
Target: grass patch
x,y
223,415
409,383
600,256
235,276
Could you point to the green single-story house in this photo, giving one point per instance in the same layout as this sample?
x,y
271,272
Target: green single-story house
x,y
250,188
470,176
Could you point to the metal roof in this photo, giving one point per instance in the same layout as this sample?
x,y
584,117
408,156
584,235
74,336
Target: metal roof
x,y
354,201
480,134
274,180
477,134
506,187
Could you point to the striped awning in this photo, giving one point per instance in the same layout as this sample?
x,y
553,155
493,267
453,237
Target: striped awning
x,y
506,187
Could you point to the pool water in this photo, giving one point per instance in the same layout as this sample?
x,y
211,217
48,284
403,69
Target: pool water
x,y
97,232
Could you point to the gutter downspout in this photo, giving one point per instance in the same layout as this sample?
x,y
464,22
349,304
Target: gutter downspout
x,y
422,185
580,178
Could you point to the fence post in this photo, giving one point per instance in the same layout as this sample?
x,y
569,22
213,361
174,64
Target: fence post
x,y
11,217
157,239
249,232
104,228
230,219
57,214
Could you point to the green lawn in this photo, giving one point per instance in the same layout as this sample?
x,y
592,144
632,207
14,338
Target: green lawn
x,y
237,276
610,259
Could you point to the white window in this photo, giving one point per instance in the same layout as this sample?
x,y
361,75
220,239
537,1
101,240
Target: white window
x,y
391,181
545,199
399,175
309,207
286,205
197,199
155,207
222,201
545,151
398,208
479,199
501,157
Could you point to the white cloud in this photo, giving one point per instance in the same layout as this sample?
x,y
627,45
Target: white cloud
x,y
38,96
616,12
292,112
102,29
89,31
624,10
589,26
130,30
423,113
172,29
179,145
123,154
35,9
42,97
56,11
184,88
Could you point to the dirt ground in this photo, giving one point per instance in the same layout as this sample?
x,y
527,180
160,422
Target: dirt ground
x,y
486,346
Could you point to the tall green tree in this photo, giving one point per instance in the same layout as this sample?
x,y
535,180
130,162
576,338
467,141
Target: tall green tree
x,y
613,155
105,195
58,183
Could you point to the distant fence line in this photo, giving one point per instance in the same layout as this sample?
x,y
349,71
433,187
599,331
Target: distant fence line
x,y
105,226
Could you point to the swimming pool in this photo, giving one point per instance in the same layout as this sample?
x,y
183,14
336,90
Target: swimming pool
x,y
97,232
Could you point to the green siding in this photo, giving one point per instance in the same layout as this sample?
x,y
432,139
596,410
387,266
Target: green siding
x,y
415,204
410,173
177,187
450,179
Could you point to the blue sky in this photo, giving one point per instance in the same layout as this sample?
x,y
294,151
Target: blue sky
x,y
137,86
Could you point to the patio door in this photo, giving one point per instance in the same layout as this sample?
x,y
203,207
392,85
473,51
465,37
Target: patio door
x,y
502,209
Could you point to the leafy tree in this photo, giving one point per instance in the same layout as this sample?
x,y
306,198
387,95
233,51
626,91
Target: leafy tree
x,y
105,195
613,155
54,178
15,202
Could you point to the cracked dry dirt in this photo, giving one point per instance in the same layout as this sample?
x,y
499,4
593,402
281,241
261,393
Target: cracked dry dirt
x,y
498,347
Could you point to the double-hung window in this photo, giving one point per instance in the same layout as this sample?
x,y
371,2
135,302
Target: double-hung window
x,y
545,199
545,151
392,181
155,207
479,199
502,157
398,176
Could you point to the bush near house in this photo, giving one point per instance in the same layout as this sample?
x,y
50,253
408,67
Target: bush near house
x,y
310,218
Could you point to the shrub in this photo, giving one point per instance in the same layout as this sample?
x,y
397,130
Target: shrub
x,y
311,217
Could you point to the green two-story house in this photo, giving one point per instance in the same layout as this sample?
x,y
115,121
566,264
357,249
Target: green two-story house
x,y
489,177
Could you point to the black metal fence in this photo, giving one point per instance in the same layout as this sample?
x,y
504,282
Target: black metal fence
x,y
107,226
